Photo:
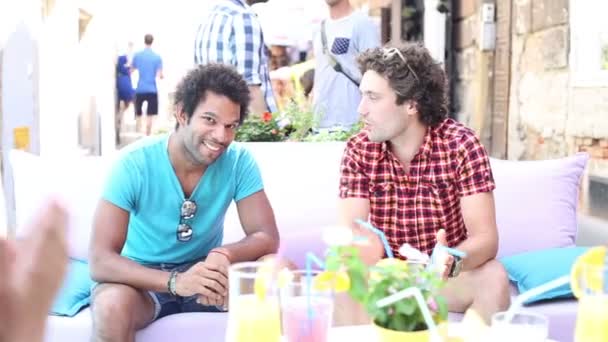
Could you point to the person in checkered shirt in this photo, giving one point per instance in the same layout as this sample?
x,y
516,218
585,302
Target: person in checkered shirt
x,y
231,34
421,177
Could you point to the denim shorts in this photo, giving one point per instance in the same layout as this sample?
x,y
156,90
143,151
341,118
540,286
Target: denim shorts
x,y
166,304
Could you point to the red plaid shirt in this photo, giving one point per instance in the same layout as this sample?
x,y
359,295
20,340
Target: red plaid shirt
x,y
450,164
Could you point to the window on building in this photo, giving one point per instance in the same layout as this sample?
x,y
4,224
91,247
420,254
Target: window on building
x,y
589,43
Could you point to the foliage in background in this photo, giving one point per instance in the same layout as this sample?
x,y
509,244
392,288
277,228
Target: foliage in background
x,y
299,121
295,123
260,128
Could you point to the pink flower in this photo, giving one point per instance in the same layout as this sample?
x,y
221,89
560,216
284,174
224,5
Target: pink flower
x,y
432,304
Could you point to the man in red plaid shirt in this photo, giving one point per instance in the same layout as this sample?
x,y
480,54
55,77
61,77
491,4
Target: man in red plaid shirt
x,y
422,178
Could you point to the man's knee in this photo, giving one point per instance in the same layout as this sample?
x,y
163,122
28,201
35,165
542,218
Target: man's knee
x,y
496,280
119,307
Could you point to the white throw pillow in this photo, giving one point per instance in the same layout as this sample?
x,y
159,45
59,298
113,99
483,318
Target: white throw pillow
x,y
77,181
301,182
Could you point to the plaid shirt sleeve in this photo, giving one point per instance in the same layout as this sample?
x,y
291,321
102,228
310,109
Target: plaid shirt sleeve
x,y
212,41
248,43
353,180
474,171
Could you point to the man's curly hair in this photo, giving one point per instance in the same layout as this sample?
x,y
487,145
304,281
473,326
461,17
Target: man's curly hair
x,y
218,78
419,78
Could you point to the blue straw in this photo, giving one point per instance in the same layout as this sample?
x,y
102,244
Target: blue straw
x,y
310,258
452,251
387,248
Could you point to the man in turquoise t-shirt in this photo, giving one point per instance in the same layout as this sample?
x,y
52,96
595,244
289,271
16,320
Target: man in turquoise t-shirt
x,y
157,237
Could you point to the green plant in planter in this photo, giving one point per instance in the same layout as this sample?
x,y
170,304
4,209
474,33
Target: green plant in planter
x,y
260,128
300,121
370,284
295,123
339,135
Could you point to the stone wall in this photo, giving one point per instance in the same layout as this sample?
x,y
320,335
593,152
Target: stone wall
x,y
548,116
539,97
466,59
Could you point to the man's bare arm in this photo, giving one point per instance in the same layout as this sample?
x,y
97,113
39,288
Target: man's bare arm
x,y
107,265
262,236
258,102
351,209
479,217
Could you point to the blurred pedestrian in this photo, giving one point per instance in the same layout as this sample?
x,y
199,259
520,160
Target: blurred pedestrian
x,y
231,34
337,43
149,66
124,87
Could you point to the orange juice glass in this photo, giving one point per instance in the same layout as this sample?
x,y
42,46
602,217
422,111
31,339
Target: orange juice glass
x,y
253,309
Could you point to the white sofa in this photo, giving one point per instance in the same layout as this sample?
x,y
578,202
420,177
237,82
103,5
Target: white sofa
x,y
300,180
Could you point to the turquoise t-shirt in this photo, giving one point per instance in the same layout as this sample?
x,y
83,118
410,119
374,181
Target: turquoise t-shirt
x,y
144,183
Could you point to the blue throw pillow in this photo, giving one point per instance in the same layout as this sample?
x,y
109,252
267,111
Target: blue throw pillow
x,y
532,269
75,291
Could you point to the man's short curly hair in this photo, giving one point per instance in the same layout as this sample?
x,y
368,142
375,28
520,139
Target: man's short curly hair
x,y
415,77
218,78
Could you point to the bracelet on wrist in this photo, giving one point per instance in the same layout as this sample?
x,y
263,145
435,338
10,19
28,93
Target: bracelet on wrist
x,y
171,283
222,252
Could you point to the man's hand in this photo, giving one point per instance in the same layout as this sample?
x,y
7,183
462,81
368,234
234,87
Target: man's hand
x,y
220,261
443,260
205,279
31,272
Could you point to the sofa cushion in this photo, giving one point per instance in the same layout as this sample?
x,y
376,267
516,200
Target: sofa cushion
x,y
531,269
536,203
301,182
75,292
185,327
78,181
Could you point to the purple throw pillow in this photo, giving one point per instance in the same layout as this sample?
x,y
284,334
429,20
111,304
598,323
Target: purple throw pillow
x,y
536,203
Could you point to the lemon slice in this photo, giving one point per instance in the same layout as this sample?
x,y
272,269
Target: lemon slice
x,y
330,280
266,276
263,278
594,257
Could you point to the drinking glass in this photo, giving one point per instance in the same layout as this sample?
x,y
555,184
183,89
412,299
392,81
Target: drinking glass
x,y
592,318
523,327
307,307
253,308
